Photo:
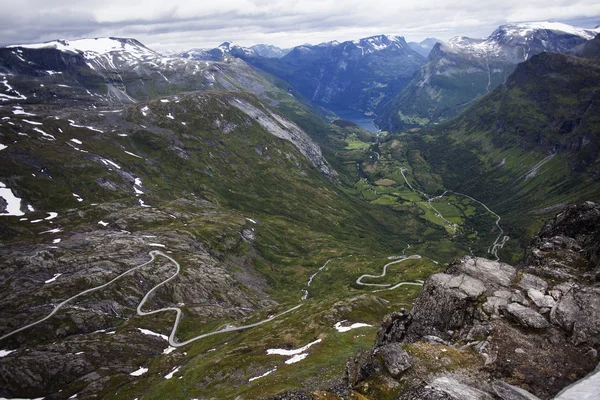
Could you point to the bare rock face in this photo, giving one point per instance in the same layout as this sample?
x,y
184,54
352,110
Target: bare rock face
x,y
535,330
578,312
568,245
448,303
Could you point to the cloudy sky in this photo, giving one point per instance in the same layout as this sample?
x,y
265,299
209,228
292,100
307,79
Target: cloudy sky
x,y
183,24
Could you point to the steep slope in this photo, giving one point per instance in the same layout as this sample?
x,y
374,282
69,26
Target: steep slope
x,y
527,148
590,49
130,227
458,72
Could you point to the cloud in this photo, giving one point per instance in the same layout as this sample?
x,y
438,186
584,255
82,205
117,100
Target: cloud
x,y
177,25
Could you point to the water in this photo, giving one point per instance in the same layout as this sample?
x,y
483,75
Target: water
x,y
360,119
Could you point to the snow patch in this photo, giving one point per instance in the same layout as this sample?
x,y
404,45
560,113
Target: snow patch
x,y
131,154
139,372
143,204
297,354
13,203
44,134
4,353
19,111
2,147
55,230
77,141
170,374
156,245
102,223
32,122
53,278
338,326
110,163
169,350
150,333
269,372
56,241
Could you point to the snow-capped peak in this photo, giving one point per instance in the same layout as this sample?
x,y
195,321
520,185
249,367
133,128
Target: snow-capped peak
x,y
531,37
379,42
526,28
99,46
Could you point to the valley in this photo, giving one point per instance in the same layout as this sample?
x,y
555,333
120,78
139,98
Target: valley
x,y
281,224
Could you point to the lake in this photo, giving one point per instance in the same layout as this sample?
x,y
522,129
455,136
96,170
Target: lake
x,y
360,119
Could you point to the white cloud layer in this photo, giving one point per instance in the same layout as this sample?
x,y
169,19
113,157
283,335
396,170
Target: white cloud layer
x,y
177,25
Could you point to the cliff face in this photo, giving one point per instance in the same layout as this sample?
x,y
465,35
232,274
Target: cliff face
x,y
484,329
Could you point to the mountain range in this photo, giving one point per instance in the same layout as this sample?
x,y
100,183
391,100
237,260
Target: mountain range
x,y
199,226
357,74
463,69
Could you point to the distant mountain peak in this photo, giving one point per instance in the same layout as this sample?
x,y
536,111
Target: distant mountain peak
x,y
526,28
99,45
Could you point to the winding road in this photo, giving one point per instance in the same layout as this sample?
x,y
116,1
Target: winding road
x,y
360,282
172,340
500,240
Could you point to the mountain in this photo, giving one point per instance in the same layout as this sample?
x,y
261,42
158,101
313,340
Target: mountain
x,y
269,51
354,74
179,228
528,147
424,47
144,197
461,70
589,49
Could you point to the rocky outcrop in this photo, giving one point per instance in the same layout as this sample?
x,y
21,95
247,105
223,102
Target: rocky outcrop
x,y
533,329
287,130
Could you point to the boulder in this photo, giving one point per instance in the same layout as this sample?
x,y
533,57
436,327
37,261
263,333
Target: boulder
x,y
446,303
541,300
395,358
578,312
587,388
526,316
529,281
493,273
494,305
444,388
510,392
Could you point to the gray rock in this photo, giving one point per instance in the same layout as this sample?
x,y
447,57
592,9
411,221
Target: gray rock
x,y
493,305
457,390
393,328
491,272
526,316
517,297
444,388
395,358
578,312
587,388
510,392
541,300
503,294
529,281
446,303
